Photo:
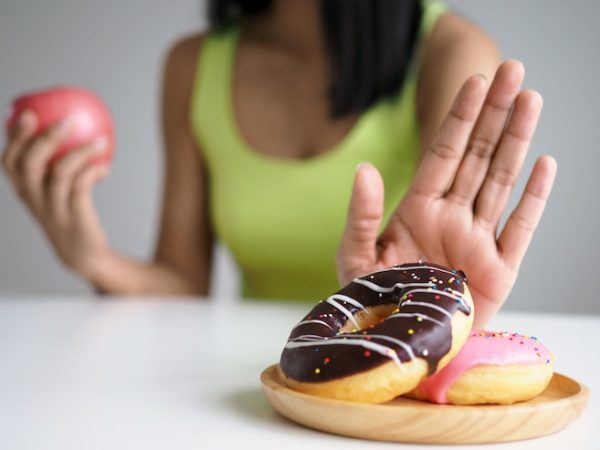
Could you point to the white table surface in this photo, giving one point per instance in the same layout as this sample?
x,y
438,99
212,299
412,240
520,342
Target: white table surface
x,y
79,373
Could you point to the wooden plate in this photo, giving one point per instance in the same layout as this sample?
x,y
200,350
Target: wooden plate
x,y
406,420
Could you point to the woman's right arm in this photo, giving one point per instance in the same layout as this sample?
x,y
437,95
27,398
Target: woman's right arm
x,y
60,198
182,260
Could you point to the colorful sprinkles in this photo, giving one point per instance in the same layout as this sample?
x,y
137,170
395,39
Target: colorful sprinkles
x,y
428,294
522,339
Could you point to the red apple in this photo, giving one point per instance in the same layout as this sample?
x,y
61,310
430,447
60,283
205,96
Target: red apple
x,y
91,118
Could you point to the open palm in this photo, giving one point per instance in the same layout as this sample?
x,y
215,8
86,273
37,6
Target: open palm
x,y
451,212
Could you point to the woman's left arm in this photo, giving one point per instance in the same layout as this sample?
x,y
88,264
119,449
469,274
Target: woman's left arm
x,y
469,166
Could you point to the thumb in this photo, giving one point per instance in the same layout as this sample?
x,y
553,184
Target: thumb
x,y
357,252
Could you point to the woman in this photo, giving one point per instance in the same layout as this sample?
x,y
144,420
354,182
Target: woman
x,y
265,119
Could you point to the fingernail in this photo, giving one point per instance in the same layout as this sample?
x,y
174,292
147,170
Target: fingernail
x,y
99,144
25,118
360,164
65,124
482,76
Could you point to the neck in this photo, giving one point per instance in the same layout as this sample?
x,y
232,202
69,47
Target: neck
x,y
295,24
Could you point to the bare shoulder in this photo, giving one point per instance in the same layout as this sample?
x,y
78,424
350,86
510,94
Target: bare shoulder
x,y
457,43
455,28
179,69
182,56
455,49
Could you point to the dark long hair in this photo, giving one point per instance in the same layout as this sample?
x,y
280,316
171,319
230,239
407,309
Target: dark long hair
x,y
370,44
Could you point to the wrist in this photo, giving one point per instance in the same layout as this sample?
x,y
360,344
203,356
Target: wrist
x,y
97,267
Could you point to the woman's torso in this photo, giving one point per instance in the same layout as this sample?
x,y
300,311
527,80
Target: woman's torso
x,y
279,203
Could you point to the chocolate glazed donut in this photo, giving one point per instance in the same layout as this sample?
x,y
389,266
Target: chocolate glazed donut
x,y
379,336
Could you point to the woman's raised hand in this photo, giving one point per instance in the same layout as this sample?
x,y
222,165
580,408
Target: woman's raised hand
x,y
451,212
60,196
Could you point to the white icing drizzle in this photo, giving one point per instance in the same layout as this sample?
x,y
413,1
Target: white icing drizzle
x,y
424,267
375,287
310,336
378,348
437,292
305,322
422,316
407,268
350,300
428,305
347,313
308,340
398,342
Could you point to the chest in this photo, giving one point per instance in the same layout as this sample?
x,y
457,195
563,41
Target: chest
x,y
281,105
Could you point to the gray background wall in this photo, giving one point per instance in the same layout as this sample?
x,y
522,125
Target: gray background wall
x,y
116,48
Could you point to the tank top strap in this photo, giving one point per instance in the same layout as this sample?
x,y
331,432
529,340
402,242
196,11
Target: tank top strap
x,y
432,11
404,103
209,107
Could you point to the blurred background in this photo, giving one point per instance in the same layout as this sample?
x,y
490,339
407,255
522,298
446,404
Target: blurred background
x,y
116,47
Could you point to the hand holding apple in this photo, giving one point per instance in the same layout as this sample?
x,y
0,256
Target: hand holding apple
x,y
89,117
60,144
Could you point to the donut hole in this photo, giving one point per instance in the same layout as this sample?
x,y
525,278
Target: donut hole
x,y
368,317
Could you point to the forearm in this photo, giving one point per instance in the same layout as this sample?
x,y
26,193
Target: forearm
x,y
117,274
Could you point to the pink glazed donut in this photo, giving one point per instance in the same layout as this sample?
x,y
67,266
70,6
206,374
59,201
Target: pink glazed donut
x,y
493,368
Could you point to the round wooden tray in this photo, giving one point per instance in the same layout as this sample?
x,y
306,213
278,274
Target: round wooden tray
x,y
406,420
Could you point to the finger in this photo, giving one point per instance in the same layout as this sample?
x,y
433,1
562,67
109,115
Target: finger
x,y
43,147
63,173
365,213
438,168
19,135
487,132
508,161
80,205
518,231
32,162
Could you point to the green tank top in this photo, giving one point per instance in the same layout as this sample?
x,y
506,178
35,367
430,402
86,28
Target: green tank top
x,y
282,219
